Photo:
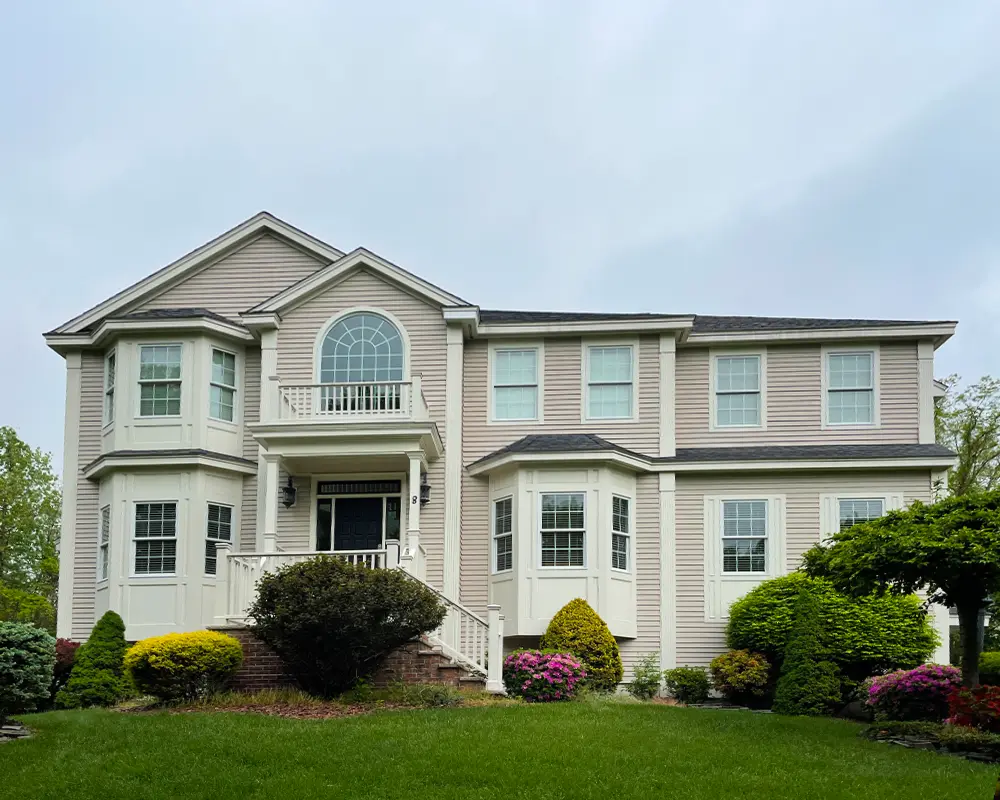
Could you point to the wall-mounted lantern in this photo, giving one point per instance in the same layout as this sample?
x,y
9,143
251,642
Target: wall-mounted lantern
x,y
288,493
425,489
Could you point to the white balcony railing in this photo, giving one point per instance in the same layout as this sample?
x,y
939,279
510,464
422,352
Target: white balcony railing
x,y
351,401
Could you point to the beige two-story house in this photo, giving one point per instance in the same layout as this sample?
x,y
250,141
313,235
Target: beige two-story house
x,y
268,397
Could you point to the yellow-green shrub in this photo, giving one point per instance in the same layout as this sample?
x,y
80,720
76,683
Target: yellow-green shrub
x,y
183,666
576,628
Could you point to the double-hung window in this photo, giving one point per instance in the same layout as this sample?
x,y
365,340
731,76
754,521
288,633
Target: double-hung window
x,y
744,536
160,380
850,388
621,533
503,535
853,511
155,538
222,389
220,529
563,530
110,365
104,548
610,375
737,391
515,384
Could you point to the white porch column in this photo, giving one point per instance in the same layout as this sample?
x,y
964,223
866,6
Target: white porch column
x,y
494,650
222,551
413,514
940,619
270,498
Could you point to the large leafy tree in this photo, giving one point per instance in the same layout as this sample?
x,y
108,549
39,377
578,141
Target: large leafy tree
x,y
950,549
968,422
30,506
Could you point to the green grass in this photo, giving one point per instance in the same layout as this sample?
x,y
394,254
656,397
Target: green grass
x,y
579,750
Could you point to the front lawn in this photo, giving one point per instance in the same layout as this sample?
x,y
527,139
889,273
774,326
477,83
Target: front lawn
x,y
574,750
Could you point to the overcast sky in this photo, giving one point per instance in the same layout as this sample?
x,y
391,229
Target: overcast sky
x,y
780,158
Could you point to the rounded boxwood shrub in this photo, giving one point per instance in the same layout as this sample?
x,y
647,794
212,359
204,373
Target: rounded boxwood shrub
x,y
97,678
741,676
27,659
687,684
867,635
333,623
576,628
810,682
916,694
183,666
541,676
989,668
17,605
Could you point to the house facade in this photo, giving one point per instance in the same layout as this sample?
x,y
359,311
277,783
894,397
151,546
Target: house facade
x,y
267,397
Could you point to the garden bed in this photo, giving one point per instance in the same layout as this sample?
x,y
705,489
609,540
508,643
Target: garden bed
x,y
952,739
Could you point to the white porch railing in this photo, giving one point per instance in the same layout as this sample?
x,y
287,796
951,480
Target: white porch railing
x,y
351,401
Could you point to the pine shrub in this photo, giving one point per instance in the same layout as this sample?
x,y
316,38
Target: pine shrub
x,y
97,676
333,623
183,666
576,628
741,676
27,658
687,684
810,682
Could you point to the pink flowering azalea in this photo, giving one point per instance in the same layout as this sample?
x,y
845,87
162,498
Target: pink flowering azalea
x,y
542,677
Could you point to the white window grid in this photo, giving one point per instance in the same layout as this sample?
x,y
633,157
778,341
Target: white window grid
x,y
503,534
104,546
563,529
222,387
363,347
738,391
610,381
160,380
852,511
155,538
744,537
110,369
219,528
621,533
515,384
850,388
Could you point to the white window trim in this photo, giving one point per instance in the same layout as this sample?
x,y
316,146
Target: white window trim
x,y
539,347
495,535
714,356
766,537
629,552
347,312
585,346
829,507
110,386
235,387
140,382
177,538
538,530
827,351
103,546
232,531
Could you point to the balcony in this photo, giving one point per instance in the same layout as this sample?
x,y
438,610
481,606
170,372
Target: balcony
x,y
351,402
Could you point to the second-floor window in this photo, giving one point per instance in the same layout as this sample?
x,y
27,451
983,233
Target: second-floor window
x,y
610,375
222,391
737,391
110,367
160,380
850,387
515,384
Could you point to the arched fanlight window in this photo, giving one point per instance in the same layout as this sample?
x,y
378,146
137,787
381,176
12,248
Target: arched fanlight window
x,y
362,348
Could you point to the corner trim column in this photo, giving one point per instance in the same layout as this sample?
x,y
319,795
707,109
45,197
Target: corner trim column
x,y
453,462
71,474
668,570
925,380
668,400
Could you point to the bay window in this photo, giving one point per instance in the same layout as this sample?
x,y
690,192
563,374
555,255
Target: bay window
x,y
222,388
563,530
503,535
155,538
160,380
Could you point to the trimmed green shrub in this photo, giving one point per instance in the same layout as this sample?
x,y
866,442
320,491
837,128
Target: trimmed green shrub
x,y
810,682
576,628
645,683
989,668
916,694
17,605
687,684
27,658
866,636
97,676
183,666
333,623
741,676
542,676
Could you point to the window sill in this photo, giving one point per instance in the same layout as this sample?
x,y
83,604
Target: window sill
x,y
625,573
609,420
227,422
851,426
156,418
745,576
509,422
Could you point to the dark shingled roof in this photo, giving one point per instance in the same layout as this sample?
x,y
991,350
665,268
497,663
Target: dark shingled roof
x,y
176,313
588,442
185,453
702,324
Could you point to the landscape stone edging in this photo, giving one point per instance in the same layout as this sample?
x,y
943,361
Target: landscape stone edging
x,y
8,732
988,754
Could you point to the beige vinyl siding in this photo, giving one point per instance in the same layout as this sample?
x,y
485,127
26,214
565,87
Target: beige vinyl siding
x,y
699,641
86,523
251,413
794,399
562,398
240,280
425,327
294,532
646,567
